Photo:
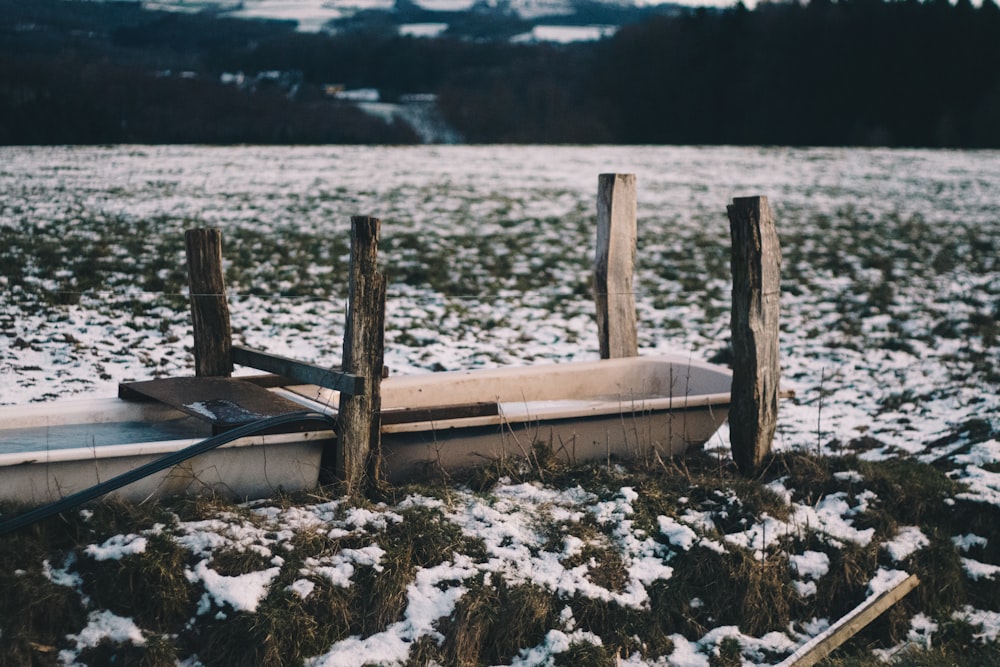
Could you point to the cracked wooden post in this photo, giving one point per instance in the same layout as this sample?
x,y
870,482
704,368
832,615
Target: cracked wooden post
x,y
614,266
359,439
209,310
755,262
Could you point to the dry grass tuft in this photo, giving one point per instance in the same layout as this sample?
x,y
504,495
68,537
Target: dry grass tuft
x,y
149,586
494,620
732,589
583,653
34,612
155,652
912,491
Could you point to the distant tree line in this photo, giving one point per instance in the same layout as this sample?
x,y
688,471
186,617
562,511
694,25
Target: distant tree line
x,y
859,72
854,72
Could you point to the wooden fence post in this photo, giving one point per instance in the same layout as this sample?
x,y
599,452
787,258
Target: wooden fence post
x,y
614,266
209,310
755,262
358,449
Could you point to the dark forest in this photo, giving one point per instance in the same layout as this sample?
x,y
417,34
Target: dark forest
x,y
854,72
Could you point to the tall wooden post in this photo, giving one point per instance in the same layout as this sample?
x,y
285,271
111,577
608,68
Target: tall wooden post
x,y
614,266
209,310
360,422
756,262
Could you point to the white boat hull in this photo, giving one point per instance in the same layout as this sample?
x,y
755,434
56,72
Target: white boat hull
x,y
250,467
584,410
622,408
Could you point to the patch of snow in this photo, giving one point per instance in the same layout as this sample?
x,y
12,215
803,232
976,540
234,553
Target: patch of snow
x,y
885,580
980,454
805,588
431,596
686,653
922,628
852,476
63,576
908,540
241,592
988,622
977,570
554,643
339,568
422,29
302,587
566,34
810,564
677,533
983,485
117,547
102,625
969,541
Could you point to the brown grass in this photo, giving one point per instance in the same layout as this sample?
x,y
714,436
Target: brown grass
x,y
499,616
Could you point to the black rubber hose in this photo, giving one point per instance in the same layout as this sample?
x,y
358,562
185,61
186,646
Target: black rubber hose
x,y
172,459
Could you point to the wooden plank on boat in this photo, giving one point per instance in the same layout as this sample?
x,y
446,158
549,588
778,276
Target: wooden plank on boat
x,y
439,413
225,403
330,378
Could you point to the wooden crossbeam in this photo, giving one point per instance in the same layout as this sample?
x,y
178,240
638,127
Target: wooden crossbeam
x,y
299,371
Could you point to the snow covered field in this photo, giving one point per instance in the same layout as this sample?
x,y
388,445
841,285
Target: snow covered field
x,y
891,283
890,305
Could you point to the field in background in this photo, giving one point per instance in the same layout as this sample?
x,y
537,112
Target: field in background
x,y
890,296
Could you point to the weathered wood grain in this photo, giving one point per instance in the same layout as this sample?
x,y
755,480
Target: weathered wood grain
x,y
823,644
614,266
209,309
357,458
756,269
301,372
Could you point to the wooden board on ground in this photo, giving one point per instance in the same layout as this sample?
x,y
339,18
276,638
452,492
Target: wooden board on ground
x,y
823,644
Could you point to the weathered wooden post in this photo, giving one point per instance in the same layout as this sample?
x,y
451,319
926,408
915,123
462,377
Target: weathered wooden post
x,y
614,266
756,262
209,310
359,415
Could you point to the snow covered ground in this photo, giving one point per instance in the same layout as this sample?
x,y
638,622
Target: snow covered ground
x,y
313,15
890,307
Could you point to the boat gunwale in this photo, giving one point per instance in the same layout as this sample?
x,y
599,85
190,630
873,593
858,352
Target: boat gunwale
x,y
608,408
325,400
151,448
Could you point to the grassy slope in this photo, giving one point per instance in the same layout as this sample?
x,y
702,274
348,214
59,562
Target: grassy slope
x,y
500,615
